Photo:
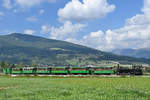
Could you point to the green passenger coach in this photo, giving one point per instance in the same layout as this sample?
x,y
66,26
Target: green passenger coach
x,y
78,70
6,70
103,70
60,70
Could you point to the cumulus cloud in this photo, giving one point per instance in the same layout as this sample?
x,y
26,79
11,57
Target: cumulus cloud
x,y
77,11
45,29
29,31
7,4
146,8
86,10
135,33
95,40
68,30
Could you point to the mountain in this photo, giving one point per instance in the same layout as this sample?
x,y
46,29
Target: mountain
x,y
28,49
138,53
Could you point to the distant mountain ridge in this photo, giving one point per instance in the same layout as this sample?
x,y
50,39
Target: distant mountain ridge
x,y
138,53
28,49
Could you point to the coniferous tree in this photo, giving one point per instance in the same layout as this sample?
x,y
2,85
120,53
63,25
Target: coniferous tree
x,y
13,66
2,65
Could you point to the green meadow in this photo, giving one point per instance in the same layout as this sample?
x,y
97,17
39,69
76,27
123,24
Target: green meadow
x,y
74,88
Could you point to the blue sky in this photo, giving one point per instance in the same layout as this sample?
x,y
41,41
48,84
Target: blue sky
x,y
101,24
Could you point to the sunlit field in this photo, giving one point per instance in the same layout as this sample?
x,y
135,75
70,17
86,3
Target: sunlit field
x,y
74,88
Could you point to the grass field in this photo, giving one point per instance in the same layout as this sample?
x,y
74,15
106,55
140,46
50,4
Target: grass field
x,y
75,88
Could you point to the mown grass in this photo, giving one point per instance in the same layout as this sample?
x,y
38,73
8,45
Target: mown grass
x,y
58,88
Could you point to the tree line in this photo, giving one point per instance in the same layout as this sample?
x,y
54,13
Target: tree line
x,y
5,64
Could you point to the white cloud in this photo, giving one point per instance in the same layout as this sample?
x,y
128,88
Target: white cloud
x,y
31,3
146,8
135,34
68,30
7,4
45,29
28,3
85,10
77,11
32,19
29,31
97,40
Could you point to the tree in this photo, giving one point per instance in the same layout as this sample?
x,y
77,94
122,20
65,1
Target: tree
x,y
7,65
2,65
13,66
20,64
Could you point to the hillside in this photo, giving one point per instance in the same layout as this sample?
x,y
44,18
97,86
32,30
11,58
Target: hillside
x,y
27,49
138,53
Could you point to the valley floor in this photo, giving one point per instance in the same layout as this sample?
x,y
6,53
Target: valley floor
x,y
74,88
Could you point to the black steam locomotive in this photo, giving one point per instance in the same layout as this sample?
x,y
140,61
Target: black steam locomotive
x,y
134,70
